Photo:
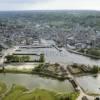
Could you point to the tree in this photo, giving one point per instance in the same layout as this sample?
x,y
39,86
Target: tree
x,y
94,52
42,58
75,65
56,64
9,58
13,58
95,70
27,58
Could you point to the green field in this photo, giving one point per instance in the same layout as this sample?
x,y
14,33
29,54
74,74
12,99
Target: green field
x,y
3,88
38,94
21,93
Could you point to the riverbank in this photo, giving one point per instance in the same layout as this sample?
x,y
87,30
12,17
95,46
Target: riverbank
x,y
52,70
35,73
61,78
33,68
19,67
18,92
29,69
88,55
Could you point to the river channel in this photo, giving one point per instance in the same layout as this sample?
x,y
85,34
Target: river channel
x,y
35,81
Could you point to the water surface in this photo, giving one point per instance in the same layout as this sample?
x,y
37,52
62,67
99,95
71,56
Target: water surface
x,y
34,81
53,55
90,84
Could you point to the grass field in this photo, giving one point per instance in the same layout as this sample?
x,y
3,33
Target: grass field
x,y
3,88
39,94
21,93
15,92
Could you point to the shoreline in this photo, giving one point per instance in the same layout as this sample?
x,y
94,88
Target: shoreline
x,y
41,74
79,53
60,78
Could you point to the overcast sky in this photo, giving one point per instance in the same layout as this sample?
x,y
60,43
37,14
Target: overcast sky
x,y
49,4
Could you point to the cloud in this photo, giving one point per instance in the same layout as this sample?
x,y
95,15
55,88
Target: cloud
x,y
15,1
69,4
49,4
21,1
19,4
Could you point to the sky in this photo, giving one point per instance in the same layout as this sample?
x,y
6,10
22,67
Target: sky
x,y
7,5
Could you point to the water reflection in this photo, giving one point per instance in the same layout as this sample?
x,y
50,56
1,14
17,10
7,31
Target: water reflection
x,y
64,57
34,81
91,84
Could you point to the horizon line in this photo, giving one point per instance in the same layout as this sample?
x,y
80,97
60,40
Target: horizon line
x,y
52,10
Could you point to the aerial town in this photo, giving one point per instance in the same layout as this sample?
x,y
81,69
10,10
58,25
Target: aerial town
x,y
50,55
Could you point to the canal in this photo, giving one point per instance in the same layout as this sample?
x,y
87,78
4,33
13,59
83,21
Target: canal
x,y
34,81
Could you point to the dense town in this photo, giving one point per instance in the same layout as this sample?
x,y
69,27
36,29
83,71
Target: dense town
x,y
56,48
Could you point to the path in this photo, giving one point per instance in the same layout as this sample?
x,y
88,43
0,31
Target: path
x,y
81,91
